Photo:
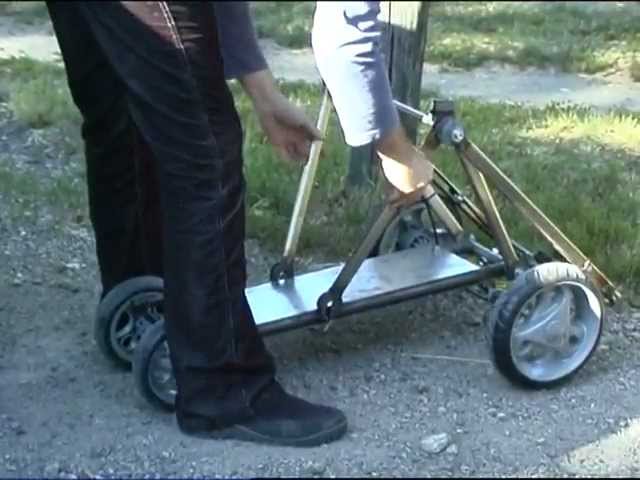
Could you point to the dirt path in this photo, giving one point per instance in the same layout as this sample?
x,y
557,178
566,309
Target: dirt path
x,y
491,83
65,412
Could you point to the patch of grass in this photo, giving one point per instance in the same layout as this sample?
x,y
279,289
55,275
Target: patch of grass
x,y
287,23
619,131
581,168
41,102
635,69
578,167
26,197
568,37
38,93
28,12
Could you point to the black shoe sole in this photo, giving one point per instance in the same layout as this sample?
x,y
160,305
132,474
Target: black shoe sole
x,y
244,434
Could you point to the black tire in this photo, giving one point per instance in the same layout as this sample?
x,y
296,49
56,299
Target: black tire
x,y
133,290
500,319
407,231
152,339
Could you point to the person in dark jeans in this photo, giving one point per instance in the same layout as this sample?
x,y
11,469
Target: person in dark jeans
x,y
163,145
163,148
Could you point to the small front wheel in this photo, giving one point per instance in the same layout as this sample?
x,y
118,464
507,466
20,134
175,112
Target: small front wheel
x,y
546,326
152,368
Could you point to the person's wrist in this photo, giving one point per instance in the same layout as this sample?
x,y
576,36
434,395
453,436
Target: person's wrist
x,y
394,144
261,88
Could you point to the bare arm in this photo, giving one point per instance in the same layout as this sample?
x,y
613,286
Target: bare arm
x,y
346,41
286,126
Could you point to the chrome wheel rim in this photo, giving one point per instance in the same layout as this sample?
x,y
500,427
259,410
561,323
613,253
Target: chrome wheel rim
x,y
160,374
131,320
555,331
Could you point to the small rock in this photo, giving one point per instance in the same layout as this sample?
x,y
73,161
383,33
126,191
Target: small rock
x,y
316,468
452,449
52,469
473,320
442,410
64,285
422,388
501,416
435,443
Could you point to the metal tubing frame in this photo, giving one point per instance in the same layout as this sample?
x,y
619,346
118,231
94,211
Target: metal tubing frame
x,y
468,208
479,168
478,165
493,218
350,268
285,267
478,160
440,209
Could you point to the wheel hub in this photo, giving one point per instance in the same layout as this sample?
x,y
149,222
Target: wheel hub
x,y
555,331
132,319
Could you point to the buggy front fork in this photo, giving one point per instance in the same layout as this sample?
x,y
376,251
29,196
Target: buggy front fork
x,y
446,129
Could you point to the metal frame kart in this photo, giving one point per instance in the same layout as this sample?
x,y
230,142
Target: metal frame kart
x,y
542,327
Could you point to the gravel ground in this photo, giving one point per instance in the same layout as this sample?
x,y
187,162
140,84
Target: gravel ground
x,y
65,412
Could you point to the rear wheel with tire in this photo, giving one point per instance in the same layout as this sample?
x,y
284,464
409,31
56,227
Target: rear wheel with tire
x,y
124,314
546,325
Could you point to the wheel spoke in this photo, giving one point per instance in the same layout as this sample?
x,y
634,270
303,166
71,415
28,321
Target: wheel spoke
x,y
527,351
549,323
126,330
577,331
555,330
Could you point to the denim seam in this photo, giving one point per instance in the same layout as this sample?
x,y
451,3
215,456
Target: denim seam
x,y
218,185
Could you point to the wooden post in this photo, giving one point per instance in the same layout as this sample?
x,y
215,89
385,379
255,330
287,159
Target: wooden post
x,y
404,46
406,43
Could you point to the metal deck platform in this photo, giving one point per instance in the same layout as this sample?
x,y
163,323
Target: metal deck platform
x,y
380,281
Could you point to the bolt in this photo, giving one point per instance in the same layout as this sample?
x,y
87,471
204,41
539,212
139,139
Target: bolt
x,y
457,135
